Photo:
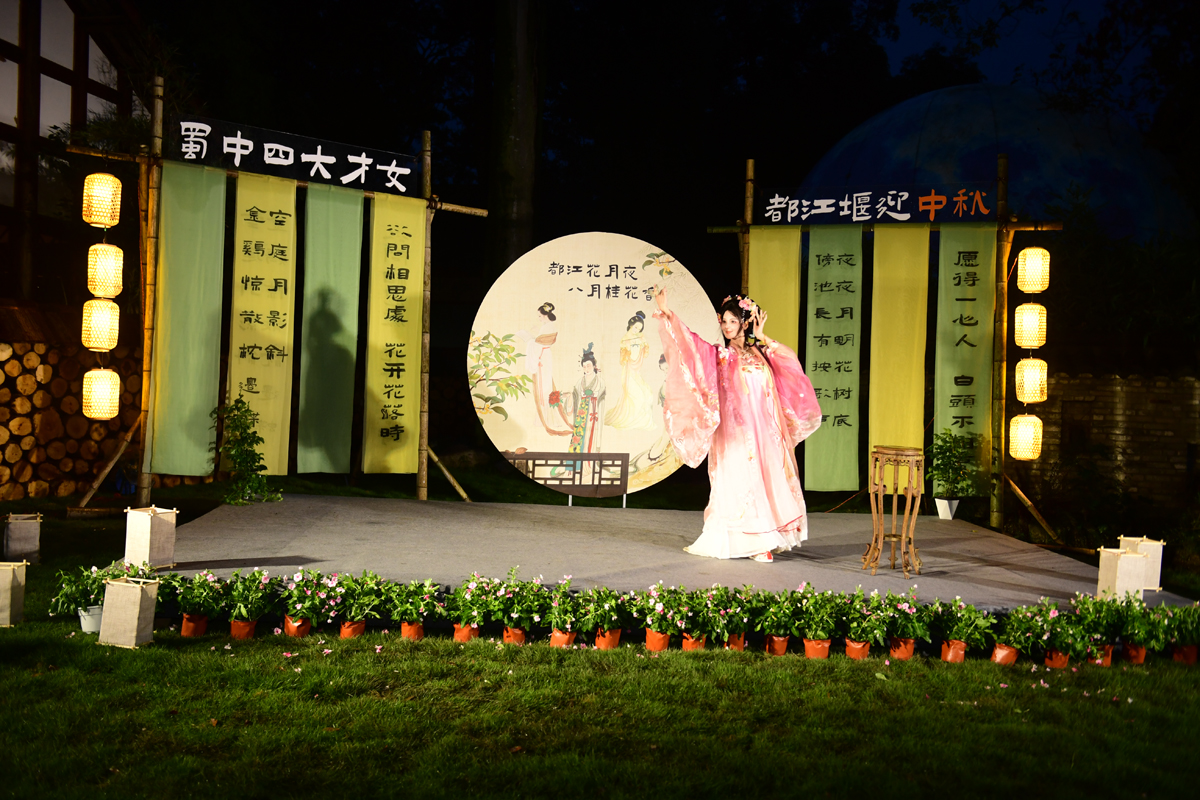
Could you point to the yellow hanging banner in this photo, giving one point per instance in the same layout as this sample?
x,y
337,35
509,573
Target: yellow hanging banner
x,y
260,322
392,415
775,279
899,314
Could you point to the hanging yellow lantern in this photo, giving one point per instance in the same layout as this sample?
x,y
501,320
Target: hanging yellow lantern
x,y
105,264
1030,325
101,323
1025,437
101,200
1031,380
1033,270
101,394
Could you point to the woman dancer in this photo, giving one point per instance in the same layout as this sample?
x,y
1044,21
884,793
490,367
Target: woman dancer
x,y
746,406
539,362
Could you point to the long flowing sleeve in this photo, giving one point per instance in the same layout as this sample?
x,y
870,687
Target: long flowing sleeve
x,y
798,401
692,406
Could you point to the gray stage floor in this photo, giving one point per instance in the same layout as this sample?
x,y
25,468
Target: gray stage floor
x,y
619,548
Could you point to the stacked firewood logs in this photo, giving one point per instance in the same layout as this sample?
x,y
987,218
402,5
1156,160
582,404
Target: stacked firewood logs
x,y
47,446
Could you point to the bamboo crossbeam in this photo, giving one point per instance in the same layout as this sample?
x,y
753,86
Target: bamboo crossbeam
x,y
1033,510
437,205
461,492
91,151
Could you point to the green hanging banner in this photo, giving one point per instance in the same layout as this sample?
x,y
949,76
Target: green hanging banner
x,y
966,303
332,267
832,345
186,361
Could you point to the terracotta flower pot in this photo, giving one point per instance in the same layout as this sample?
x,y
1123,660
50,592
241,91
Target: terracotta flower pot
x,y
194,625
242,628
1184,654
352,630
1057,660
1135,653
608,640
736,641
465,633
690,643
857,650
514,635
954,651
562,638
776,645
657,642
901,649
1004,654
412,630
816,648
296,627
1105,658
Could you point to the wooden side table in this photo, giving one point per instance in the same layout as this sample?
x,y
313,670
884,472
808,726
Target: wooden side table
x,y
913,460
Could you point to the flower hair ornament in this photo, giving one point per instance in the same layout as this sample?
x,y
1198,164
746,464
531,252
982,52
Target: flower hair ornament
x,y
749,310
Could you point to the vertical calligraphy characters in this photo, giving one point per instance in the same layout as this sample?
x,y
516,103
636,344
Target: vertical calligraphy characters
x,y
832,346
970,202
264,277
963,369
391,428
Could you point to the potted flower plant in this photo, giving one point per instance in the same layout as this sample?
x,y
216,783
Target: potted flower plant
x,y
1057,634
250,597
1017,631
468,606
731,614
777,619
1099,625
1140,629
865,623
411,604
818,615
906,620
658,609
302,603
561,613
82,592
953,461
703,617
200,597
1183,632
961,627
604,612
357,599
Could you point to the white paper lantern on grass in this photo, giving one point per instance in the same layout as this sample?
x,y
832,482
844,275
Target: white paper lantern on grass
x,y
1025,437
101,394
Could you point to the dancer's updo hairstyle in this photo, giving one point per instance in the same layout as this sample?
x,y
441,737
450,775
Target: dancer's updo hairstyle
x,y
548,310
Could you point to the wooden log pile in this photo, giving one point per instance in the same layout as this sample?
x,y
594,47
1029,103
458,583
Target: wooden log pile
x,y
47,446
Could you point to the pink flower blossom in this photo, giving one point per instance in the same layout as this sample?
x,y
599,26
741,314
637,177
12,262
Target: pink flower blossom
x,y
278,631
288,655
378,648
326,652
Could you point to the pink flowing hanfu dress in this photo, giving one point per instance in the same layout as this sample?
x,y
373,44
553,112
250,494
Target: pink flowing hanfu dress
x,y
747,413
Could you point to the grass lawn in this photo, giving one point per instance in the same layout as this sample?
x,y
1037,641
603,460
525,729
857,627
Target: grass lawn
x,y
379,716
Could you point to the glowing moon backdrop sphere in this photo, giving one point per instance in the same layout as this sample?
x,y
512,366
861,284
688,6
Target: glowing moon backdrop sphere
x,y
565,357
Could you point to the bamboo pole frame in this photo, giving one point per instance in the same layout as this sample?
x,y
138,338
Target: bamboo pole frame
x,y
744,225
423,441
1000,346
149,285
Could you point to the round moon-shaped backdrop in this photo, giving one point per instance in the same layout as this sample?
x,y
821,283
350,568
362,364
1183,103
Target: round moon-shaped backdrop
x,y
566,366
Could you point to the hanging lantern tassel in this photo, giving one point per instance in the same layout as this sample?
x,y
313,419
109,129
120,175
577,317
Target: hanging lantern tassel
x,y
105,265
1033,270
1031,380
1030,326
101,394
1025,437
101,324
101,200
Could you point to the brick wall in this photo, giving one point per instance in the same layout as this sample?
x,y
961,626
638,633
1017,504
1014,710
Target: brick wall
x,y
1150,425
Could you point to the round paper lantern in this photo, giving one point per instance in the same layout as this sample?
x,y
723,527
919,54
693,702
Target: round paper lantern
x,y
1033,270
101,322
101,394
101,200
1025,437
1030,325
1031,380
105,264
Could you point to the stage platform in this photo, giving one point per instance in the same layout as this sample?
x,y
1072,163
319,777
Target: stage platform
x,y
619,548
